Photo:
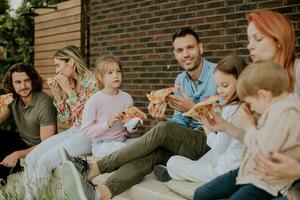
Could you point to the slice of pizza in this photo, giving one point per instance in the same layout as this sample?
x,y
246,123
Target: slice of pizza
x,y
204,107
50,81
159,96
5,100
133,112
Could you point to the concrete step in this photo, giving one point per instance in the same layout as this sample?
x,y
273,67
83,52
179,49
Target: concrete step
x,y
148,189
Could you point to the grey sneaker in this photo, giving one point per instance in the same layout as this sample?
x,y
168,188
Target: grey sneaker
x,y
81,165
76,187
161,173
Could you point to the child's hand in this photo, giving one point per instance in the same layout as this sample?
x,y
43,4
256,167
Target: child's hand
x,y
212,122
112,120
206,129
245,118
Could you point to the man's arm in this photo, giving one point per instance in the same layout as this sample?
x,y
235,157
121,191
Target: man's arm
x,y
4,114
12,159
47,131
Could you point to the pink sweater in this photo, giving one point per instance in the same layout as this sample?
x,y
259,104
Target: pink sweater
x,y
98,109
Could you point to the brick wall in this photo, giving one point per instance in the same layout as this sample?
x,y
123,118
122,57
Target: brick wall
x,y
139,33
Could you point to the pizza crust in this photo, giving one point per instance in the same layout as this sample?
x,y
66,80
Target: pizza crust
x,y
50,81
5,100
132,112
203,107
159,96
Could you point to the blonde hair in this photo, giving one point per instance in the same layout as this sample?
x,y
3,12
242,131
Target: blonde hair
x,y
278,27
265,75
103,64
72,52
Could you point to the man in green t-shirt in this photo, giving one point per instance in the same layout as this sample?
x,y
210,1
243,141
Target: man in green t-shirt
x,y
33,113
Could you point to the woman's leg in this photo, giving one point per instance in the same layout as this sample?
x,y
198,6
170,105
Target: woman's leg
x,y
32,158
104,148
75,143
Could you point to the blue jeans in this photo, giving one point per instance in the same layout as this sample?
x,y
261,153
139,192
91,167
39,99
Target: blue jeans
x,y
45,157
280,198
224,187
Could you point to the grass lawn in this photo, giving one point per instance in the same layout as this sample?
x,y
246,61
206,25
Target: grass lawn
x,y
14,189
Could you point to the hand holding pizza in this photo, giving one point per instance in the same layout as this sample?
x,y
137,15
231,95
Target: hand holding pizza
x,y
64,83
5,100
159,96
203,107
54,88
112,120
132,112
157,111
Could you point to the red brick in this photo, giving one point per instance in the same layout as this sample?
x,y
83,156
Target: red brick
x,y
139,32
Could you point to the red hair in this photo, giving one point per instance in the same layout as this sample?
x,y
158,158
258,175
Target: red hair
x,y
278,27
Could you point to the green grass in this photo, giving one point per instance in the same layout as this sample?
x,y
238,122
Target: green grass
x,y
14,189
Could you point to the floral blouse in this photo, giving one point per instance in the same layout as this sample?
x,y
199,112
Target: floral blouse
x,y
70,109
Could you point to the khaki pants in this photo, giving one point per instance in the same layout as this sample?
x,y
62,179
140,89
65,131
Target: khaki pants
x,y
136,160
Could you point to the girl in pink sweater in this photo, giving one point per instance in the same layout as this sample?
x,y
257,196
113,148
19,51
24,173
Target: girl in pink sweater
x,y
101,116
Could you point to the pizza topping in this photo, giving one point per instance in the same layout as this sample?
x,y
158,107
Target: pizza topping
x,y
50,81
204,107
159,96
132,112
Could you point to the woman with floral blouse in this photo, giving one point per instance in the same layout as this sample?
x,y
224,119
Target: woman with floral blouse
x,y
71,87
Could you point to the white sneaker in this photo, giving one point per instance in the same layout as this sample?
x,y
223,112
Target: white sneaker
x,y
76,187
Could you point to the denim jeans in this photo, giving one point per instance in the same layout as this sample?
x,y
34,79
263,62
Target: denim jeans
x,y
45,157
280,198
224,187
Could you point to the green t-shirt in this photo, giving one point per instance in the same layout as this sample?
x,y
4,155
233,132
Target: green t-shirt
x,y
29,119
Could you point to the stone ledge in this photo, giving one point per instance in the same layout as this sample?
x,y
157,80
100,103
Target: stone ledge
x,y
148,189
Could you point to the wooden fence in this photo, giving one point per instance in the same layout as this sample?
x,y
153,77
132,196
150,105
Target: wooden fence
x,y
55,29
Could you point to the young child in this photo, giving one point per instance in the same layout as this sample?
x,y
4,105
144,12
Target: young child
x,y
101,116
264,88
226,152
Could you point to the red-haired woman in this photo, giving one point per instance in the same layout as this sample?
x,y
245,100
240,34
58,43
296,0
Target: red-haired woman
x,y
271,36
